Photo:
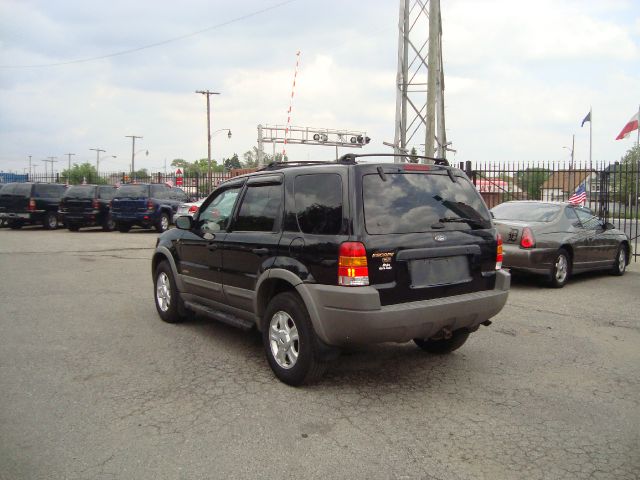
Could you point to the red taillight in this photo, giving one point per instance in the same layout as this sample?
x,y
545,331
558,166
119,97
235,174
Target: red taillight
x,y
352,265
32,204
499,255
149,205
193,209
527,240
95,204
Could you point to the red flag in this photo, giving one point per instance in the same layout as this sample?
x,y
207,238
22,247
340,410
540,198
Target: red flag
x,y
629,127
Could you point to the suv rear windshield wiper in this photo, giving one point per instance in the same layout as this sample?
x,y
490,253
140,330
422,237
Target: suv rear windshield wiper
x,y
473,222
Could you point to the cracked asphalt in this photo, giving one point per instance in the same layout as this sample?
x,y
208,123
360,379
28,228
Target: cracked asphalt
x,y
94,386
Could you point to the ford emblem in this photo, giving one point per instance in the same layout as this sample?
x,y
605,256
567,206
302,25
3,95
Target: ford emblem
x,y
440,237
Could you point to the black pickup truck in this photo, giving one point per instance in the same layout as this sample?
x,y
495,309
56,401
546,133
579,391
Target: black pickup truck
x,y
87,206
30,203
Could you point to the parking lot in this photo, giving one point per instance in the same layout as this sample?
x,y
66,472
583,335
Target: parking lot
x,y
94,385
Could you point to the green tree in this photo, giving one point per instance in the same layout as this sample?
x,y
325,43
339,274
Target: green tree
x,y
250,158
628,171
232,162
531,180
414,155
83,173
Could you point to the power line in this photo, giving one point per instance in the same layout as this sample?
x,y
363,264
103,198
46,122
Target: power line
x,y
157,44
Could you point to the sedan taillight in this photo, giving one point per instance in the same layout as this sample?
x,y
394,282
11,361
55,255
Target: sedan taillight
x,y
527,240
499,255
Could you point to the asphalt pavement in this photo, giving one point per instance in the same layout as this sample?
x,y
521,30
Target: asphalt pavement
x,y
93,385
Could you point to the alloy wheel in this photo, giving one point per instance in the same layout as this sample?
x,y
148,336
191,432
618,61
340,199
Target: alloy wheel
x,y
163,292
561,268
284,339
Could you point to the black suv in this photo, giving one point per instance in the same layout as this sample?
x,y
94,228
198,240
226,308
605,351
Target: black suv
x,y
87,206
22,203
149,205
319,256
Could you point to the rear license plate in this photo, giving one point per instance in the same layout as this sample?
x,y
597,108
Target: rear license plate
x,y
433,272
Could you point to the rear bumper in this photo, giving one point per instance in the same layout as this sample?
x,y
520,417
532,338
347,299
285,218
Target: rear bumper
x,y
143,219
342,315
30,217
534,260
80,218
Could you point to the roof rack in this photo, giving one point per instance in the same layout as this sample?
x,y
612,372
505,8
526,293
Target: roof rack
x,y
351,157
295,163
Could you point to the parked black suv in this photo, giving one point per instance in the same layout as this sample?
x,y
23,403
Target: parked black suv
x,y
149,205
22,203
87,206
319,256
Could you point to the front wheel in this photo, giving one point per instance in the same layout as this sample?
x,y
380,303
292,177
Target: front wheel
x,y
290,342
166,294
50,221
561,269
620,264
443,346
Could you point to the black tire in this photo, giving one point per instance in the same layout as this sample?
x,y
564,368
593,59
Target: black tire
x,y
123,227
443,345
165,294
50,221
73,227
285,311
560,269
15,224
163,223
620,262
108,224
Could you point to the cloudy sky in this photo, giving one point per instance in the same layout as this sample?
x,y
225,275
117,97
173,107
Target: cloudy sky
x,y
519,75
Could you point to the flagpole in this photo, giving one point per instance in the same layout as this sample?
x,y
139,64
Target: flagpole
x,y
638,139
590,138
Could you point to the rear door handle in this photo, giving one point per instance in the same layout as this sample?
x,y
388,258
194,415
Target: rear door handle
x,y
260,251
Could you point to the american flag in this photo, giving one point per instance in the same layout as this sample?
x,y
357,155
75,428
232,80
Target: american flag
x,y
580,195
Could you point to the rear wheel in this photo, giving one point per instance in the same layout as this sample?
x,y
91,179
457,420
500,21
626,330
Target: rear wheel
x,y
109,223
289,340
123,227
163,223
442,346
560,269
166,294
620,263
50,221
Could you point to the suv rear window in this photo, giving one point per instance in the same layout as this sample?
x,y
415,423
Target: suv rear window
x,y
413,202
319,203
18,189
48,191
133,191
80,191
106,193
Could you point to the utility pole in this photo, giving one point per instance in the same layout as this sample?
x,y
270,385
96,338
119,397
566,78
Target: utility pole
x,y
51,160
208,94
133,152
97,150
420,71
69,167
29,166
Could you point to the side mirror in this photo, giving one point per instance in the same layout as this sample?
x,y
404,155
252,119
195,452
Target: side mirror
x,y
184,223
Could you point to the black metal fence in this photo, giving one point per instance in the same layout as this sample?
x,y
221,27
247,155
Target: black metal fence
x,y
610,190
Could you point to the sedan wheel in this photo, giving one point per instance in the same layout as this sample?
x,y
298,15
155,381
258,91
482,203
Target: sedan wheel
x,y
561,269
620,264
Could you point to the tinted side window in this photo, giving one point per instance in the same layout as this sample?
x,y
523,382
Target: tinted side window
x,y
587,219
159,191
570,213
215,217
318,200
260,208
